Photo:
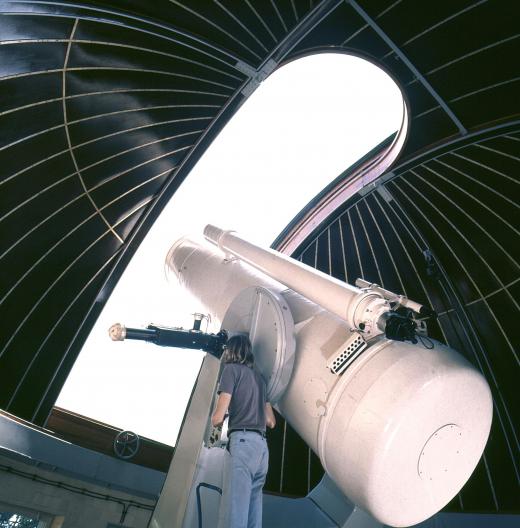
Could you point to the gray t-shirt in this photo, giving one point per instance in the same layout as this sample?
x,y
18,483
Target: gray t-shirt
x,y
248,396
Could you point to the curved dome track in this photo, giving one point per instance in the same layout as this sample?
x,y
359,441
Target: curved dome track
x,y
104,112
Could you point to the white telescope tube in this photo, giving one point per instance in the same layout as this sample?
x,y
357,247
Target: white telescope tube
x,y
361,309
399,432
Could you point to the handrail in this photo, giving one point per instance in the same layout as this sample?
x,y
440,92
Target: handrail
x,y
199,507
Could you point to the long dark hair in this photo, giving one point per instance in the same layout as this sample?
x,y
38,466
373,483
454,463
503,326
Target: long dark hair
x,y
238,350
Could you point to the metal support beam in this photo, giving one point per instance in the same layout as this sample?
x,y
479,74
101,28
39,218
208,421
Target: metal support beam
x,y
303,28
285,46
409,64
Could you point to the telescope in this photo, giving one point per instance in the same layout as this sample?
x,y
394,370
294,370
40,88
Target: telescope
x,y
398,420
193,339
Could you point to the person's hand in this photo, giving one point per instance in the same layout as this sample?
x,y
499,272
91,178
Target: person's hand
x,y
270,419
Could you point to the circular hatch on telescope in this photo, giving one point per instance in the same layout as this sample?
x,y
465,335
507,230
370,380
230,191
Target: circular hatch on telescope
x,y
266,318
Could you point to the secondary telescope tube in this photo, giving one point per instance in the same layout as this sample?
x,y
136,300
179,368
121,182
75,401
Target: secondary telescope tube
x,y
342,299
400,431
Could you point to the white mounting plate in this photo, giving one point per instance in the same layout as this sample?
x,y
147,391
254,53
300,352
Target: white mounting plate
x,y
266,318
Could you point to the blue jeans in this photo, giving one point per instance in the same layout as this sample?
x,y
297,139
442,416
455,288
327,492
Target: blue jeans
x,y
244,476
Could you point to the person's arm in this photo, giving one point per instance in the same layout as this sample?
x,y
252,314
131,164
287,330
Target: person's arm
x,y
225,391
220,409
270,419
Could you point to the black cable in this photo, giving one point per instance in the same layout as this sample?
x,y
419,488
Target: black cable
x,y
422,339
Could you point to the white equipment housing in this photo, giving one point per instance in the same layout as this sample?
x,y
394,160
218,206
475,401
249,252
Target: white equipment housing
x,y
398,427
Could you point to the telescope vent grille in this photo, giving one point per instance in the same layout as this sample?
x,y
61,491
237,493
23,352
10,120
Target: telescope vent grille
x,y
346,354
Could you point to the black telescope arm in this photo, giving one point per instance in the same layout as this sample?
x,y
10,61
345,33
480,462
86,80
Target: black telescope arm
x,y
173,337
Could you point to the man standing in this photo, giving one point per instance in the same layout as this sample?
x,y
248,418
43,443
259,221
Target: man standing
x,y
242,391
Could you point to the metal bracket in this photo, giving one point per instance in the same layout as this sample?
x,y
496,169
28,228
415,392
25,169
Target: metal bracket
x,y
256,76
376,185
384,193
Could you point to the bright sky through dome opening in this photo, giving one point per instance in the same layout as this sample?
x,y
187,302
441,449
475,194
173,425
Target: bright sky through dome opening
x,y
304,125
